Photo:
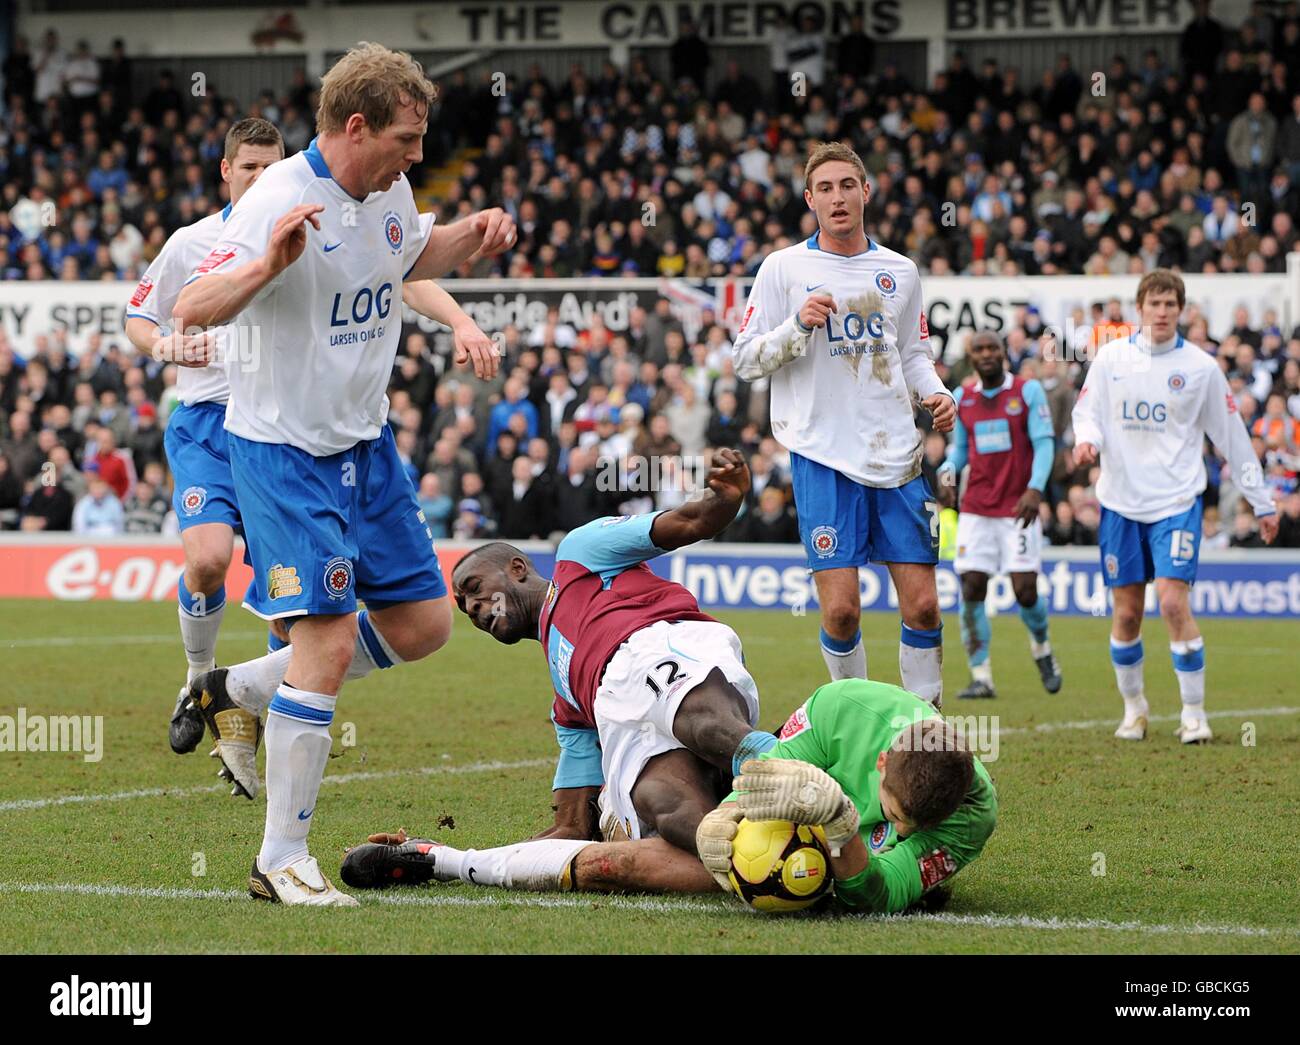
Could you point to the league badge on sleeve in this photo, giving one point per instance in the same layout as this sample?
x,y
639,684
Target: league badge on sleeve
x,y
142,290
935,867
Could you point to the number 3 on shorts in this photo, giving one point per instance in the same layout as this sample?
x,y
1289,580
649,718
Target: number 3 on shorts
x,y
1182,545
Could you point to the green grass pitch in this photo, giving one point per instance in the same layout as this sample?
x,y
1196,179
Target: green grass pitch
x,y
1196,844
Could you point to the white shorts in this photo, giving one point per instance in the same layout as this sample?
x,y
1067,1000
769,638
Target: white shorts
x,y
997,544
644,684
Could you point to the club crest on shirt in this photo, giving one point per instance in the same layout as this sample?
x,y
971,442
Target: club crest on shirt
x,y
879,836
886,283
825,540
193,500
338,577
282,581
1014,406
1177,381
393,231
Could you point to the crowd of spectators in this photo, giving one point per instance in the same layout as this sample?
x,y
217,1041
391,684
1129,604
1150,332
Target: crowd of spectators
x,y
1196,167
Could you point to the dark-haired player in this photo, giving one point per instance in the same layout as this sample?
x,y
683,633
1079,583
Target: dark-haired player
x,y
653,707
901,799
1004,431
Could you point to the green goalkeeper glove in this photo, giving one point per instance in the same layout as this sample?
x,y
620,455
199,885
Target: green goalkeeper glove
x,y
784,789
713,840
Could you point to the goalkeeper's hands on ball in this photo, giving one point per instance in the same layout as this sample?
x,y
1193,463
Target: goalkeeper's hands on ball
x,y
783,789
713,840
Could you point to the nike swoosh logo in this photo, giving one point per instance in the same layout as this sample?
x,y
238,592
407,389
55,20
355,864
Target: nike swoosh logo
x,y
471,876
813,287
305,814
333,246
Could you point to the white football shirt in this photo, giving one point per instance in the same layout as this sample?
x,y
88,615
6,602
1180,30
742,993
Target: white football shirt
x,y
847,400
313,352
1148,410
155,297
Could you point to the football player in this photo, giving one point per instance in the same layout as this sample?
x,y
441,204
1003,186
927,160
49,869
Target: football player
x,y
1145,408
197,452
903,803
309,268
653,708
1004,431
838,324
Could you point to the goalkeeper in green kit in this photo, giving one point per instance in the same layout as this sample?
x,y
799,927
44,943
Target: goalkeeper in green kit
x,y
902,803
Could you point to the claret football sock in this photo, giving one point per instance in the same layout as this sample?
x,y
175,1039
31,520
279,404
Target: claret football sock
x,y
845,659
920,662
200,617
1127,656
542,866
297,748
1189,666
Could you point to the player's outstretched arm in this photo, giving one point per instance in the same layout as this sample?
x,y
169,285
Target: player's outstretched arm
x,y
574,813
429,299
485,234
217,298
707,516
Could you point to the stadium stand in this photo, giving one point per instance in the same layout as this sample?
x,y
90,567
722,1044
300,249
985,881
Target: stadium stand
x,y
978,174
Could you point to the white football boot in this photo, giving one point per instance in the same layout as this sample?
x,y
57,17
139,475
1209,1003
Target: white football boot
x,y
1134,726
1194,730
300,884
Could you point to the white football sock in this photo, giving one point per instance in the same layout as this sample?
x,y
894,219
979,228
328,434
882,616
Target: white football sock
x,y
253,683
1126,657
297,749
199,633
541,866
1039,649
920,662
983,672
844,660
1189,666
372,650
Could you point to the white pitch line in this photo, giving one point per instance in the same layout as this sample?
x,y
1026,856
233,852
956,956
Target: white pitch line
x,y
431,897
1096,723
25,804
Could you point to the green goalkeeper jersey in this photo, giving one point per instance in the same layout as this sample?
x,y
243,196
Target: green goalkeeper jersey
x,y
842,728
